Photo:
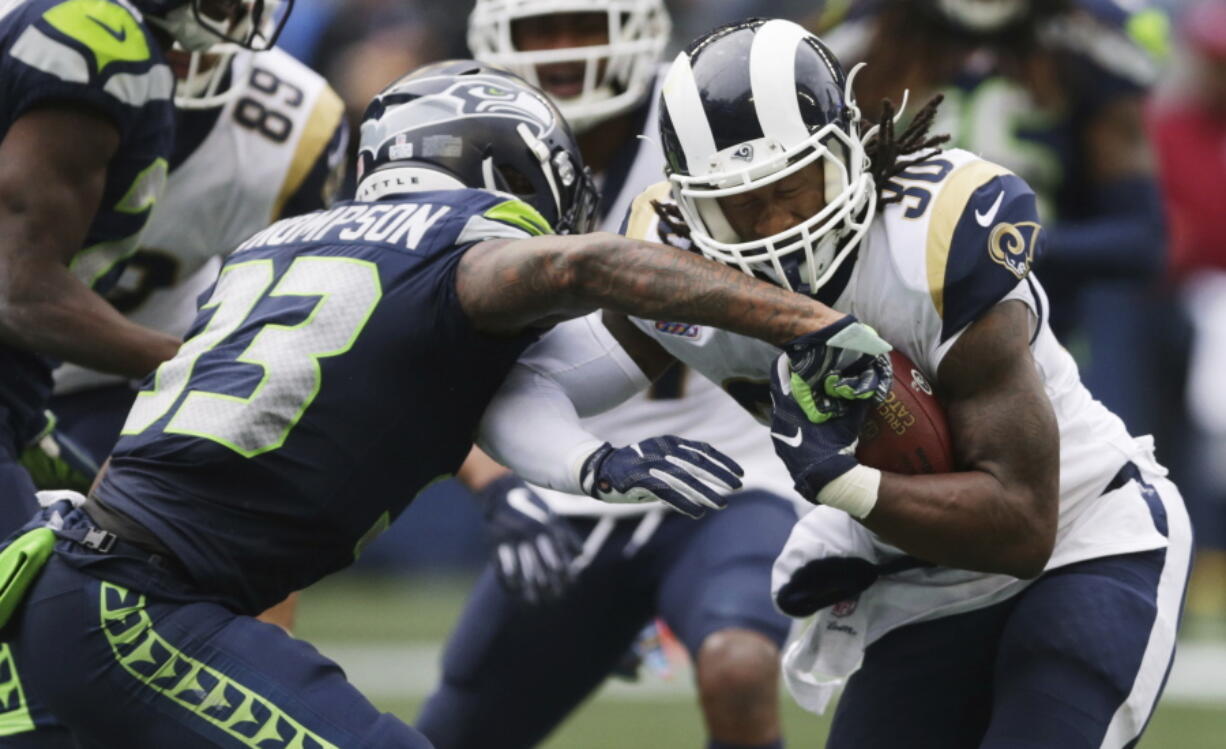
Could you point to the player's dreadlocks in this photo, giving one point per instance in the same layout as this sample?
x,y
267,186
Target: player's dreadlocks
x,y
889,155
671,220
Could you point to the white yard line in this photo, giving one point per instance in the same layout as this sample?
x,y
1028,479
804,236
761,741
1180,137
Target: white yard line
x,y
409,670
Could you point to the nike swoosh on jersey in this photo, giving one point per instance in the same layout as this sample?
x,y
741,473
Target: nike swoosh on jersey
x,y
120,35
985,219
793,441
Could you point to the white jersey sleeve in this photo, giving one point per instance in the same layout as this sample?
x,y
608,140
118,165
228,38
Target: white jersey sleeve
x,y
276,148
532,424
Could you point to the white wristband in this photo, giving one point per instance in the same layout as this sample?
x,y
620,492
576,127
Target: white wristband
x,y
855,492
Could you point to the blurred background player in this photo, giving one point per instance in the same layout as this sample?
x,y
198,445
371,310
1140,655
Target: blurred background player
x,y
85,142
99,154
1054,91
1188,123
260,137
87,112
573,581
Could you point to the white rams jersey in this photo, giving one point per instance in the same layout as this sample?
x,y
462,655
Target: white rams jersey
x,y
682,402
961,240
274,148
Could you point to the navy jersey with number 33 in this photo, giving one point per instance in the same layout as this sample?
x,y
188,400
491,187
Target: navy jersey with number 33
x,y
329,376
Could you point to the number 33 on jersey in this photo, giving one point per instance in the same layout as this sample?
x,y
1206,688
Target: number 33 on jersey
x,y
329,376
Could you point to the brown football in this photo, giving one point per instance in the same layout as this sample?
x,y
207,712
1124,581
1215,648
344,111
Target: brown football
x,y
908,432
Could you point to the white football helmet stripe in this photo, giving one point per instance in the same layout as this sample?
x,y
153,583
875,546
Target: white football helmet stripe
x,y
772,74
684,105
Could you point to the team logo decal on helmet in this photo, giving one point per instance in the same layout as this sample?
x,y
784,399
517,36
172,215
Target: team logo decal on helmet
x,y
462,124
484,98
745,106
617,75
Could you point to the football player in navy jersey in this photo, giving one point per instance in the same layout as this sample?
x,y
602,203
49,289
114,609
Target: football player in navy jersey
x,y
572,581
339,365
86,128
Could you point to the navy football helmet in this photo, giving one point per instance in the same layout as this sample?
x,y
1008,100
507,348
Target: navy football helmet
x,y
747,105
461,124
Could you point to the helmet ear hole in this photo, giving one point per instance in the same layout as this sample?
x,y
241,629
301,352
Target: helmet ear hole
x,y
516,181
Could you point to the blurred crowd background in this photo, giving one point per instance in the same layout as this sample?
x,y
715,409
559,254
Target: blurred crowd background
x,y
1137,276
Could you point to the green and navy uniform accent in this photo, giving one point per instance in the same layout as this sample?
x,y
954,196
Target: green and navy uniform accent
x,y
178,670
97,54
329,377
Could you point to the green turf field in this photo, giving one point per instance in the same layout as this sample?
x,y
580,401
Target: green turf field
x,y
386,633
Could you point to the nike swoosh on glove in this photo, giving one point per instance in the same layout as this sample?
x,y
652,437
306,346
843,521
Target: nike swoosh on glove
x,y
533,547
691,476
817,451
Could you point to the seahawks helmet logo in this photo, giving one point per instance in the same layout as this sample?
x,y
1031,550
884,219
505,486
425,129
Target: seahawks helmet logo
x,y
486,98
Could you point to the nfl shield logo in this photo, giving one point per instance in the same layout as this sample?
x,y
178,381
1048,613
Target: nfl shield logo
x,y
844,608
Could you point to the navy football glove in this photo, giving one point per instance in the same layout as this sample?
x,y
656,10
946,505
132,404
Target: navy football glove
x,y
690,476
815,447
824,582
836,363
533,547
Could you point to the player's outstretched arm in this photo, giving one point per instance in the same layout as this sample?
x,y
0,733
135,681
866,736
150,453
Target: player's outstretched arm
x,y
53,164
507,286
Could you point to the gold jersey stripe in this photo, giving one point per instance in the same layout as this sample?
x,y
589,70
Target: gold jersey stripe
x,y
320,125
642,214
950,205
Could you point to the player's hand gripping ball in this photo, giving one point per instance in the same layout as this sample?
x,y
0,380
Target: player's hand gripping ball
x,y
908,431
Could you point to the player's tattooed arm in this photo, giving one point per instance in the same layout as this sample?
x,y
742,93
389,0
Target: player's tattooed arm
x,y
53,164
507,286
999,512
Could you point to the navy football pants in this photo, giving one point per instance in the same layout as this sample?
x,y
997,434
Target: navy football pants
x,y
1075,661
120,669
512,672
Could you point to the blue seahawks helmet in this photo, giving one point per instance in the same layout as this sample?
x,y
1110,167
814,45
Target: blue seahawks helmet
x,y
198,25
746,105
462,124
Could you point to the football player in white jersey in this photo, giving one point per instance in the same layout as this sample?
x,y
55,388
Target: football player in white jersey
x,y
579,579
1028,599
260,137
